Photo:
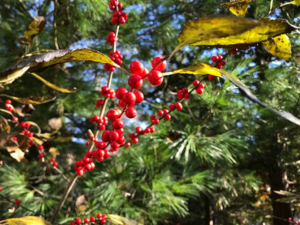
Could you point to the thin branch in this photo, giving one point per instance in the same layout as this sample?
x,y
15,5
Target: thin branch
x,y
277,7
54,24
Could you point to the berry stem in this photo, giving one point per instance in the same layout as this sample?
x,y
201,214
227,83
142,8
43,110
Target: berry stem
x,y
21,206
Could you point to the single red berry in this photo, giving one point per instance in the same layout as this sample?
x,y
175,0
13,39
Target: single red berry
x,y
220,58
186,96
196,82
168,117
211,77
201,86
139,97
152,129
105,136
172,107
120,92
113,114
199,91
87,143
99,215
15,119
79,172
41,156
214,58
178,106
127,145
138,130
129,98
131,113
135,82
131,135
9,107
222,63
114,145
86,220
156,121
17,202
160,112
136,67
40,147
135,140
161,64
92,219
122,104
289,219
155,77
114,136
78,221
0,188
218,66
118,124
122,20
52,159
8,101
166,111
103,221
55,164
73,223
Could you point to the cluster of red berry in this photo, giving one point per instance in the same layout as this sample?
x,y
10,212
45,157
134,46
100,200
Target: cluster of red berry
x,y
8,105
118,17
111,38
53,162
290,220
99,219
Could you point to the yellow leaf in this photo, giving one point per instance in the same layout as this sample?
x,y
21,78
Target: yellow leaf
x,y
218,36
15,153
296,2
35,125
9,76
33,29
54,151
37,141
119,220
238,7
27,220
52,58
213,28
53,86
30,100
280,47
63,139
198,69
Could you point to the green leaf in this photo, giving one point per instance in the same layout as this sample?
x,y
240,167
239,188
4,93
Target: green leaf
x,y
238,7
243,88
198,69
27,220
33,29
280,47
48,59
30,100
53,86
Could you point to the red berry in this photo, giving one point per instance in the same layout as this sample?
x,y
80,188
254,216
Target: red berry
x,y
289,219
172,107
218,66
41,156
120,92
127,145
199,91
114,136
168,117
92,219
136,67
138,130
139,97
73,223
55,164
196,82
79,172
178,106
152,129
87,143
86,220
160,112
78,221
122,104
103,221
155,77
8,101
9,107
52,159
114,145
129,98
15,119
135,140
131,135
99,215
156,121
214,58
113,114
105,136
118,124
17,202
222,63
131,113
135,82
0,188
40,147
211,77
162,64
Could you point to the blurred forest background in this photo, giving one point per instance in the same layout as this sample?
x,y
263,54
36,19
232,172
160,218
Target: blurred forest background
x,y
218,161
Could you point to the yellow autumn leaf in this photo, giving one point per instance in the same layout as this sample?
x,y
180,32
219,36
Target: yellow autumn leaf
x,y
33,29
238,7
35,125
280,47
39,62
27,220
53,86
198,69
264,31
30,100
213,28
296,2
120,220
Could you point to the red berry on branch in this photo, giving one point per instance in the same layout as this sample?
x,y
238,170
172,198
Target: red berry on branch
x,y
114,136
136,67
8,101
139,97
135,140
135,82
55,164
87,143
138,130
196,82
92,219
105,136
113,114
156,121
211,77
178,106
120,92
118,124
155,77
79,172
40,147
131,113
129,98
17,202
222,63
161,64
103,221
78,221
99,215
168,117
15,119
52,159
199,91
9,107
172,107
160,112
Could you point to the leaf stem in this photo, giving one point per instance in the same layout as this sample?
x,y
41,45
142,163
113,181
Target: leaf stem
x,y
277,7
